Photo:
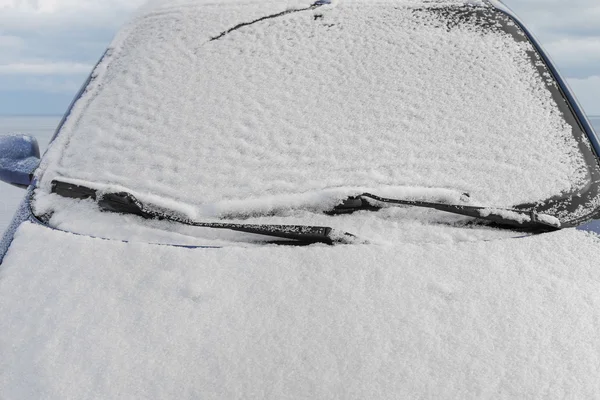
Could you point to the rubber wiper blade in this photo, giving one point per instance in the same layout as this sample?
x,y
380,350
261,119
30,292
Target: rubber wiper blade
x,y
126,203
516,218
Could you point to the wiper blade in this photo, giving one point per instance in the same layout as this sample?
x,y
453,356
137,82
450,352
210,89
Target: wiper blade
x,y
522,219
126,203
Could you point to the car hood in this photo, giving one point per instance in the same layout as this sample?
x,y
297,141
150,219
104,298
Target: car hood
x,y
85,317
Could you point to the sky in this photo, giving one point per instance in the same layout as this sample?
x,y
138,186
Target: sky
x,y
48,47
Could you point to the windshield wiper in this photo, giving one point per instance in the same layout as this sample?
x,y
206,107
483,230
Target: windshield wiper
x,y
126,203
514,218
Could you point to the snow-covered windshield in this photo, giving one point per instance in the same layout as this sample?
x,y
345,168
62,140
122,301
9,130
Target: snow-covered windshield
x,y
212,108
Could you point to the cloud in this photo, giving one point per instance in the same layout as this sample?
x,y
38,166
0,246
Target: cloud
x,y
568,30
578,56
10,42
54,43
56,68
68,84
48,47
60,16
60,30
570,33
58,6
588,93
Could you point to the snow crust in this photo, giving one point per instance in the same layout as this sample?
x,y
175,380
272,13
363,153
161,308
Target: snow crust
x,y
89,318
350,95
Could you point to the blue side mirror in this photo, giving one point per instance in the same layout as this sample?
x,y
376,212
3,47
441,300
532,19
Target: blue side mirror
x,y
19,158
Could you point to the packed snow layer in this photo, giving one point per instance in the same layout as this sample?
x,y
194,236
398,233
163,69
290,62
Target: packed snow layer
x,y
353,94
89,318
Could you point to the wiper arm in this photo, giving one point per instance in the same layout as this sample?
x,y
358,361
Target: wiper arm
x,y
522,219
126,203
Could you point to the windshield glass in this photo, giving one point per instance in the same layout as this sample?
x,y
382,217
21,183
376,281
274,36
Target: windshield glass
x,y
360,96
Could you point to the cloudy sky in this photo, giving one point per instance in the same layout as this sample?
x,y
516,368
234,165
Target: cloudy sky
x,y
48,47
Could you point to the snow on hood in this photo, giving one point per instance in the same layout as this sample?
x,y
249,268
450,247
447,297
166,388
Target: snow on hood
x,y
352,94
88,318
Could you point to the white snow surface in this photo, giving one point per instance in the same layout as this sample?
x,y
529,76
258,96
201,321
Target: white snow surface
x,y
89,318
42,128
350,95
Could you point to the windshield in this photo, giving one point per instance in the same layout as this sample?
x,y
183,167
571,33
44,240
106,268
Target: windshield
x,y
234,117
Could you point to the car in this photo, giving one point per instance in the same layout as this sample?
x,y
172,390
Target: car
x,y
331,199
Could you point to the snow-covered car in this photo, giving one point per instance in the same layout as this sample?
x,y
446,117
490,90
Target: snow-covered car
x,y
345,199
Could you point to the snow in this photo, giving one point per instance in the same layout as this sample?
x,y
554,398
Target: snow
x,y
387,226
508,214
548,219
9,199
42,128
368,95
423,305
520,217
104,319
317,201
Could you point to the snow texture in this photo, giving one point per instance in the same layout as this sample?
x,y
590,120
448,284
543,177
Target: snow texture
x,y
42,128
17,217
104,319
347,95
